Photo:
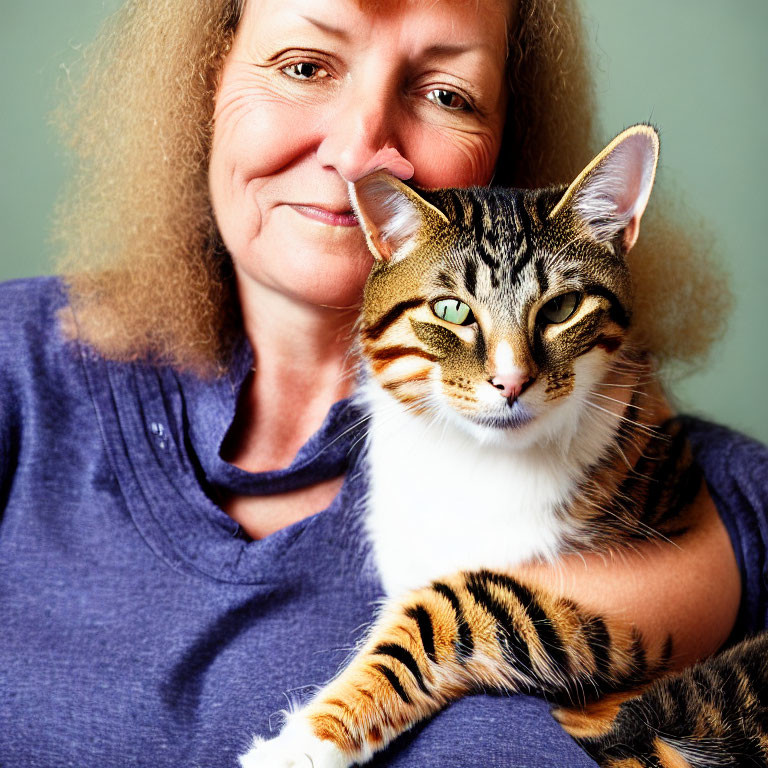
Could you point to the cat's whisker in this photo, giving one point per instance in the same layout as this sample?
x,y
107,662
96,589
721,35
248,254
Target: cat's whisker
x,y
637,424
639,388
635,395
638,383
362,420
639,373
622,403
632,521
624,458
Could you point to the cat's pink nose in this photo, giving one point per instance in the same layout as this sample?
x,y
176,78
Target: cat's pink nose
x,y
510,385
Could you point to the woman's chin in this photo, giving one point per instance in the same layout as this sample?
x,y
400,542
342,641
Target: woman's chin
x,y
307,275
328,291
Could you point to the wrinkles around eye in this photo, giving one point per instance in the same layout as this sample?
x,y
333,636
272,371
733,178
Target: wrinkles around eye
x,y
247,84
477,147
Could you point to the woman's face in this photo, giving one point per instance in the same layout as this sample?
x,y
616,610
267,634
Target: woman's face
x,y
315,93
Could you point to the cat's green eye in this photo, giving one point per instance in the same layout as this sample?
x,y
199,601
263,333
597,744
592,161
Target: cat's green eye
x,y
559,309
453,311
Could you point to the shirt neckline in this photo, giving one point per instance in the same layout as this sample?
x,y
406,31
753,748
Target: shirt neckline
x,y
212,406
163,431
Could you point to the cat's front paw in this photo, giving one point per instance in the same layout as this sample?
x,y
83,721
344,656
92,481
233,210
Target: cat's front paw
x,y
295,747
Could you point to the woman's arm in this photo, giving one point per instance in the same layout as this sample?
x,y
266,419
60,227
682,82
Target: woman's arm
x,y
689,589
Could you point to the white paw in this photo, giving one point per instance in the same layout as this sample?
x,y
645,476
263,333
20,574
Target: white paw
x,y
295,747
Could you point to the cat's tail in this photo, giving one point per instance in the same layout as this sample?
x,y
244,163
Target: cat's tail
x,y
711,715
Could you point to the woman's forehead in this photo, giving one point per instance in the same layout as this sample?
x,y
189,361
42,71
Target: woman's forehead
x,y
387,7
384,6
484,23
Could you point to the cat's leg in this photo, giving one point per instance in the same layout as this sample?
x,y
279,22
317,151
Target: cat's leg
x,y
712,714
473,631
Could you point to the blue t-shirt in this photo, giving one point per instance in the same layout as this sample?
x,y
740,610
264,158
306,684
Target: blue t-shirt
x,y
139,627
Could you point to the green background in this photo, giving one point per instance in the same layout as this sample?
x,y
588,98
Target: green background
x,y
695,68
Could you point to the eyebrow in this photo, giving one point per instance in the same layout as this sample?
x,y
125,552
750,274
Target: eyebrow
x,y
327,28
445,49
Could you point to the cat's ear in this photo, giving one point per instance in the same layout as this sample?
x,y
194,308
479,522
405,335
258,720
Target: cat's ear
x,y
610,195
391,214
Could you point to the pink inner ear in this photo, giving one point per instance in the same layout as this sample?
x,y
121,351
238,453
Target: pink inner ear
x,y
383,247
615,194
631,233
634,171
641,158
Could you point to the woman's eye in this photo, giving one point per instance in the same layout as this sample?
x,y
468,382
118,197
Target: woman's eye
x,y
453,311
559,309
447,99
305,70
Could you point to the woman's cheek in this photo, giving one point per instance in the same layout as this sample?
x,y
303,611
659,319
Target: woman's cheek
x,y
261,120
450,158
452,155
253,140
261,139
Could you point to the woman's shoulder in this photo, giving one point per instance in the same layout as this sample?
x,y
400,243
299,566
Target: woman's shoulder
x,y
729,458
29,306
33,344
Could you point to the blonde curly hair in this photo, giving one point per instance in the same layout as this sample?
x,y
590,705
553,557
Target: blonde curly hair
x,y
147,272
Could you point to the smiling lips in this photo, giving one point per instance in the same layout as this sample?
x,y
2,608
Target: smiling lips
x,y
326,216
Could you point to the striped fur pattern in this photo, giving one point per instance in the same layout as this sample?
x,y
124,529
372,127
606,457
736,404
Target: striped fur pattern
x,y
713,715
513,416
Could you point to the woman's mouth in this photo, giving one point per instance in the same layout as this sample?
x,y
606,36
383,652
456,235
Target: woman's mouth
x,y
326,216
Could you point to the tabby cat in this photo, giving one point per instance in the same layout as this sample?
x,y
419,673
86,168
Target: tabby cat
x,y
514,417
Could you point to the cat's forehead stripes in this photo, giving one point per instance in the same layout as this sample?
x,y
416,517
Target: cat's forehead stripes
x,y
478,223
470,277
496,255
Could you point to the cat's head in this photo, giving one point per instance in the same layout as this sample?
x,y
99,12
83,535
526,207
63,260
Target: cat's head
x,y
505,308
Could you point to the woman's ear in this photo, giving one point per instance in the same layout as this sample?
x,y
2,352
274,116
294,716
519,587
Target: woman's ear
x,y
391,215
610,195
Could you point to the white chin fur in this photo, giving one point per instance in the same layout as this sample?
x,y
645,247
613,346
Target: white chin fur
x,y
447,494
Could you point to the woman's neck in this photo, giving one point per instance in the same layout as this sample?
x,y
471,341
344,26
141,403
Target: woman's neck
x,y
301,367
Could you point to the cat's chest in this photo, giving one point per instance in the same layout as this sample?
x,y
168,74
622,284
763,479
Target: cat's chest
x,y
440,501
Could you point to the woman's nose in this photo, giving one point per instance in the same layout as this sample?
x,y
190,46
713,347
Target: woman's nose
x,y
360,139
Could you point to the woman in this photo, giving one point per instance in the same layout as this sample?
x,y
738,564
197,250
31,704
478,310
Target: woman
x,y
173,421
